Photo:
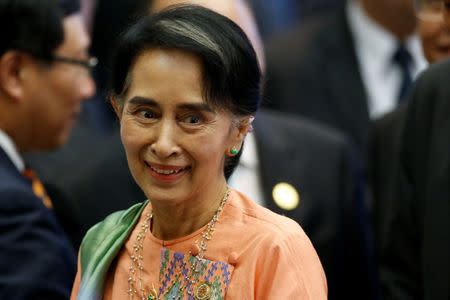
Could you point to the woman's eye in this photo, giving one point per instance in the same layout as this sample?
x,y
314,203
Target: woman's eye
x,y
192,119
147,114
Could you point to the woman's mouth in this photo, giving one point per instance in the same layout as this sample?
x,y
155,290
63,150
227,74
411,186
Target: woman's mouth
x,y
165,173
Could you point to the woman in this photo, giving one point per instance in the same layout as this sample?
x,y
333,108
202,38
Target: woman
x,y
186,86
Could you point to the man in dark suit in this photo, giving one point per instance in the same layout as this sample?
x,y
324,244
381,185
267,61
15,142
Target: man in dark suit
x,y
415,262
386,132
42,85
342,69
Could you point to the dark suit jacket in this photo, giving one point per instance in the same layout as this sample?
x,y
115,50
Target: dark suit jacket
x,y
384,147
313,72
58,169
416,259
314,159
36,258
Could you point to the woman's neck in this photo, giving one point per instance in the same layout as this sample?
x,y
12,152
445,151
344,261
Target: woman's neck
x,y
177,220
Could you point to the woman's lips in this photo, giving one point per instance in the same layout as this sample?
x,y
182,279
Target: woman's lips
x,y
166,173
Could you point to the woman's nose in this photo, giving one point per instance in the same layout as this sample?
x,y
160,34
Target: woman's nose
x,y
165,143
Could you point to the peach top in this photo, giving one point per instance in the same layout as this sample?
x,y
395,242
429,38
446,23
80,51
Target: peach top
x,y
269,255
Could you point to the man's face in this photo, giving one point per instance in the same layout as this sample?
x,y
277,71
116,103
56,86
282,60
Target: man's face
x,y
57,91
433,30
446,10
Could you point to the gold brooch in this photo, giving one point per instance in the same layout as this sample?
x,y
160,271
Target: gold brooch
x,y
202,291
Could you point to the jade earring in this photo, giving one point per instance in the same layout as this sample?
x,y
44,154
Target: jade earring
x,y
234,151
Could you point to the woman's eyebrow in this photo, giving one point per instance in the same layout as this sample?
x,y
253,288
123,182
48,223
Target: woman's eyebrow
x,y
196,106
139,100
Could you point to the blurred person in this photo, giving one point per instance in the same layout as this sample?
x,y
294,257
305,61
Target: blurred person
x,y
97,121
183,117
386,131
43,80
315,169
346,70
275,16
415,260
433,32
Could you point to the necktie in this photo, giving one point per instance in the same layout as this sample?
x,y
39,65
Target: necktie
x,y
38,187
403,59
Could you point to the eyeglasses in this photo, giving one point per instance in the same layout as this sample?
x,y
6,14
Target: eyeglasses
x,y
89,64
431,10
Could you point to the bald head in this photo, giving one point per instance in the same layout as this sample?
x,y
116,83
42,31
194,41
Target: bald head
x,y
236,10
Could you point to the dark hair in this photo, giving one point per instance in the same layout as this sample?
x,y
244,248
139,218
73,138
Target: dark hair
x,y
32,26
231,74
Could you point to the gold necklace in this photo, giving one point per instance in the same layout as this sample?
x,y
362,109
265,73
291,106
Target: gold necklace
x,y
202,290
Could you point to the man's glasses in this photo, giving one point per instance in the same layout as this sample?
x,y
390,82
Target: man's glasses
x,y
89,64
430,10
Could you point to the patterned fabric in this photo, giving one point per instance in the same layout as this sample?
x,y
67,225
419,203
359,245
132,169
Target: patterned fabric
x,y
176,266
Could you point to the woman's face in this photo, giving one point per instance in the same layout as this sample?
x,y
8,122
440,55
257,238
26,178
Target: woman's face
x,y
174,141
435,36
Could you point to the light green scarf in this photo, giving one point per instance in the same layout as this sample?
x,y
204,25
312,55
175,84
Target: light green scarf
x,y
100,247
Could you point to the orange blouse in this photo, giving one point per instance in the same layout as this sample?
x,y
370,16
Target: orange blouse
x,y
264,255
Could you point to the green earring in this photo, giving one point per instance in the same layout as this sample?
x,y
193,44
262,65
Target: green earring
x,y
234,151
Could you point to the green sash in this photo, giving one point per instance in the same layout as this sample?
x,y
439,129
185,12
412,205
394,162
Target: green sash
x,y
100,247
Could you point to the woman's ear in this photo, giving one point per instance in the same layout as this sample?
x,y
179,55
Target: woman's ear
x,y
11,74
244,126
117,106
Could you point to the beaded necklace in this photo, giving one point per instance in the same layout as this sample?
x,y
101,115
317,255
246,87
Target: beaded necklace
x,y
202,290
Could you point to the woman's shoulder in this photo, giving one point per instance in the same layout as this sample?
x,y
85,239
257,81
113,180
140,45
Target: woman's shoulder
x,y
263,234
260,220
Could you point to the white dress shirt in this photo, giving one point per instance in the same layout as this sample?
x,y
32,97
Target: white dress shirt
x,y
7,144
375,47
246,175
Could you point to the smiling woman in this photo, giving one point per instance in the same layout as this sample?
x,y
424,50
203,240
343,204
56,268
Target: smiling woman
x,y
175,141
186,87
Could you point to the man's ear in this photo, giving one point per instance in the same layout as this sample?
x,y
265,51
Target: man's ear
x,y
12,68
117,106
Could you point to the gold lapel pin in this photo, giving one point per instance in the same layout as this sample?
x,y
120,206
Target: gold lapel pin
x,y
286,196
